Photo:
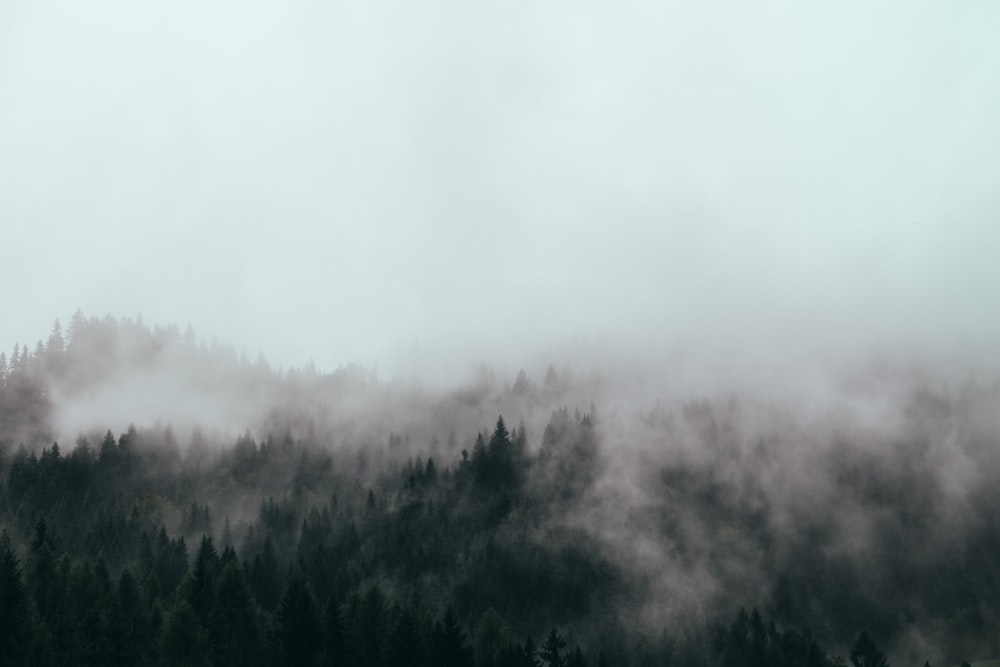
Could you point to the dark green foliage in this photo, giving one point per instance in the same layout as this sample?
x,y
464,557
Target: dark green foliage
x,y
552,647
15,623
264,578
297,625
369,620
491,639
576,658
334,632
864,653
204,575
751,642
130,625
405,645
529,654
232,623
183,640
95,567
448,643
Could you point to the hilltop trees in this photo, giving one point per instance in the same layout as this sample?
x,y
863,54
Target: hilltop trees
x,y
501,463
343,526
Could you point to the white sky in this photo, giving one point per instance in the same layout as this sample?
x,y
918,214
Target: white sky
x,y
461,180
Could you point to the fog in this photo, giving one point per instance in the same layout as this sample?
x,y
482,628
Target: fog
x,y
758,246
421,188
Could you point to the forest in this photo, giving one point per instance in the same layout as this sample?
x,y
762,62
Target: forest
x,y
167,501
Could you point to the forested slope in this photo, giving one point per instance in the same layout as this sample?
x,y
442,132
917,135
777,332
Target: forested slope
x,y
252,516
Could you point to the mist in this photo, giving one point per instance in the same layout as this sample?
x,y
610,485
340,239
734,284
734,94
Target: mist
x,y
703,484
411,188
728,273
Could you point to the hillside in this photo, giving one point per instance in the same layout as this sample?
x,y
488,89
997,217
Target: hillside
x,y
247,515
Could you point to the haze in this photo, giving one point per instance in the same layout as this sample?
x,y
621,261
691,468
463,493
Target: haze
x,y
422,185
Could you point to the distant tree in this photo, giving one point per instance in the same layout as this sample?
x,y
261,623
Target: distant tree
x,y
15,624
183,641
448,643
370,627
232,623
204,575
404,647
55,350
530,654
297,631
551,649
264,577
576,658
44,582
500,438
171,561
864,653
492,636
109,450
130,623
480,461
522,385
334,632
551,383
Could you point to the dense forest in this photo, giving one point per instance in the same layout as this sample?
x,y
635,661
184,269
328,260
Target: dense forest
x,y
164,501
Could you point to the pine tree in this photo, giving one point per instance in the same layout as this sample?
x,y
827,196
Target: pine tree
x,y
448,643
232,624
297,631
204,575
530,653
15,626
334,632
130,623
183,641
405,648
865,654
576,658
369,624
491,638
550,652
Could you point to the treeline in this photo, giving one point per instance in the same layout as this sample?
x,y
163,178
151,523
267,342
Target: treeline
x,y
430,568
636,531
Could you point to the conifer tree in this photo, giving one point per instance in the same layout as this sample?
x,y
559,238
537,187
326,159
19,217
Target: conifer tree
x,y
864,653
448,643
334,632
232,626
15,627
551,648
297,631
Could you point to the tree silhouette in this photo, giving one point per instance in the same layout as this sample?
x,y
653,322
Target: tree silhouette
x,y
183,640
448,644
232,624
405,648
15,628
864,653
491,638
551,648
297,632
334,632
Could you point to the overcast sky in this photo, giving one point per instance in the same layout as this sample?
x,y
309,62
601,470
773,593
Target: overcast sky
x,y
371,180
